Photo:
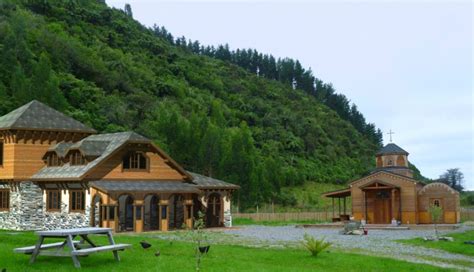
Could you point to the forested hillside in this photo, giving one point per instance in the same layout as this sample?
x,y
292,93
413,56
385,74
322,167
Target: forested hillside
x,y
213,116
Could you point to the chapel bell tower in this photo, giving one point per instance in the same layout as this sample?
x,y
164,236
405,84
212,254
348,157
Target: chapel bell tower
x,y
394,159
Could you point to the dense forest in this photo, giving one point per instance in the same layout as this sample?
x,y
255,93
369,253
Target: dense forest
x,y
240,116
286,70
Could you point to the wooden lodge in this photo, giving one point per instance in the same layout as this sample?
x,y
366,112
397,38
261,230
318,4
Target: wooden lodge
x,y
390,193
55,172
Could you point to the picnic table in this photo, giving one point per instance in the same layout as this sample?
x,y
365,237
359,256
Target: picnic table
x,y
70,247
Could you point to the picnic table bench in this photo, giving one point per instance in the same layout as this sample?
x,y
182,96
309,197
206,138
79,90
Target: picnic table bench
x,y
75,248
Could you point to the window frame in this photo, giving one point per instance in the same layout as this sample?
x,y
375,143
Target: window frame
x,y
49,200
4,192
133,158
2,153
53,160
76,158
73,208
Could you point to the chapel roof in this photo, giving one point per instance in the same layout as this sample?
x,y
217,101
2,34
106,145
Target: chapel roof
x,y
38,116
390,149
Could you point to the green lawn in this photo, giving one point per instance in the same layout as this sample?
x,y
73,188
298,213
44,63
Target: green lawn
x,y
178,256
457,246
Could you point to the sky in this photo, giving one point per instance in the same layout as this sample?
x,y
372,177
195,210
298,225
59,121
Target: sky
x,y
408,66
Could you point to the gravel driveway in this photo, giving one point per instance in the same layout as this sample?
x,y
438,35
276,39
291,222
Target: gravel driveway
x,y
378,242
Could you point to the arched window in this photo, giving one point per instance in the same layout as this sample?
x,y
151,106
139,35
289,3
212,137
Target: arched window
x,y
400,161
379,162
53,160
76,158
135,161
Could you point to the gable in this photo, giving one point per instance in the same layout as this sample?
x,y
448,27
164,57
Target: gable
x,y
158,166
384,177
116,143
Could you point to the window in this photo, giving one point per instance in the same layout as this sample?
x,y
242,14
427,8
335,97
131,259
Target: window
x,y
53,160
76,158
135,161
138,212
76,200
1,153
4,200
163,212
390,162
111,213
53,200
436,203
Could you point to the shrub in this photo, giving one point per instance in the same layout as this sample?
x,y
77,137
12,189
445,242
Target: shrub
x,y
315,246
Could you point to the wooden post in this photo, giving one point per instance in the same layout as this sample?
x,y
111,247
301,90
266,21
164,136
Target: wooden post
x,y
332,207
339,206
400,205
116,218
365,208
392,205
344,205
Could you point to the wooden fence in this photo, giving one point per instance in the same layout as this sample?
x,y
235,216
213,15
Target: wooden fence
x,y
288,216
467,214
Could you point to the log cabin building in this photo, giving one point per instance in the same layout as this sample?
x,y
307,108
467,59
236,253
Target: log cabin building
x,y
390,193
55,172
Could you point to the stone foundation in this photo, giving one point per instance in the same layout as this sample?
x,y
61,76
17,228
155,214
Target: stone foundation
x,y
28,211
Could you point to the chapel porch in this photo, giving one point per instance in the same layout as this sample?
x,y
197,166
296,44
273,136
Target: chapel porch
x,y
342,214
376,202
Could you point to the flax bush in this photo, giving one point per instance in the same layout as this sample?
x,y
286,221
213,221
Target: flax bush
x,y
315,246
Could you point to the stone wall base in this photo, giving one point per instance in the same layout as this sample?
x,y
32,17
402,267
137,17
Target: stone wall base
x,y
28,212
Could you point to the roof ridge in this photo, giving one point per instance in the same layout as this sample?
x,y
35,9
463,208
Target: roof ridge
x,y
21,110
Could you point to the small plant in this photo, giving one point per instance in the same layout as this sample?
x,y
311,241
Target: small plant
x,y
199,238
436,213
315,246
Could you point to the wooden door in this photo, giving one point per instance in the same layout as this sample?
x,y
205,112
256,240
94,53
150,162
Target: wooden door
x,y
213,213
382,207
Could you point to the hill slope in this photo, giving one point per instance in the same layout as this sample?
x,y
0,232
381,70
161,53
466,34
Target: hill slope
x,y
103,68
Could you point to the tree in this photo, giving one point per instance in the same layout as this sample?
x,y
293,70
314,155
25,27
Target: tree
x,y
128,10
436,212
454,178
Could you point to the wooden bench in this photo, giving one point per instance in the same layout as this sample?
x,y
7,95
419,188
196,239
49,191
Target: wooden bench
x,y
87,251
70,247
30,249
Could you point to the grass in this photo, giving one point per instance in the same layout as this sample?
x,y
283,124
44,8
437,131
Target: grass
x,y
457,246
249,221
178,256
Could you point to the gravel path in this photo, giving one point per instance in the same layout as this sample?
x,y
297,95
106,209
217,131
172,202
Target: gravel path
x,y
378,242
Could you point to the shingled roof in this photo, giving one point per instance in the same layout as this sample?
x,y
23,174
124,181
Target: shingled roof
x,y
148,186
36,115
61,149
204,182
109,143
392,148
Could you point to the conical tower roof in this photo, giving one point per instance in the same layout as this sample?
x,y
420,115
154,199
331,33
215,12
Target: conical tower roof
x,y
392,148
